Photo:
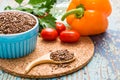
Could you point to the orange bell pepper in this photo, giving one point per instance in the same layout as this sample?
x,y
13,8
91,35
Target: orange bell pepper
x,y
88,17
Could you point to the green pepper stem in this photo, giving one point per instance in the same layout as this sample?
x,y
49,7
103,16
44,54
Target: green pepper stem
x,y
79,12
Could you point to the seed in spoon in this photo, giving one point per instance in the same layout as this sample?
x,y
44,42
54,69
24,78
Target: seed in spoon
x,y
61,55
57,57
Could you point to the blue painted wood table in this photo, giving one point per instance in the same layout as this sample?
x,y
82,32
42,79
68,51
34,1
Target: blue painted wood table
x,y
105,64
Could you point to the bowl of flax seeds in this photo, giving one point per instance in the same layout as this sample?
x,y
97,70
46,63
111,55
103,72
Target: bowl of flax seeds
x,y
18,33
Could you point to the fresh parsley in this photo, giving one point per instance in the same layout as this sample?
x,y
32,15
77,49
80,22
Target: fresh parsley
x,y
47,22
19,1
38,8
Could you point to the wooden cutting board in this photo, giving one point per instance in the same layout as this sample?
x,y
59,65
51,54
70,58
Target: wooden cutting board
x,y
83,49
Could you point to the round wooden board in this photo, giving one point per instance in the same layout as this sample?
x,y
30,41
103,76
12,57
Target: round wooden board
x,y
83,49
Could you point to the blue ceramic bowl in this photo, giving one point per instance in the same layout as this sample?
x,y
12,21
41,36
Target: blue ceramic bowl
x,y
20,44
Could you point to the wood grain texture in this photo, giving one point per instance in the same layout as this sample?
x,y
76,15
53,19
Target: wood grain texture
x,y
105,65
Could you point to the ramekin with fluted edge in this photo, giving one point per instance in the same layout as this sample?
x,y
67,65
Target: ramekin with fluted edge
x,y
19,44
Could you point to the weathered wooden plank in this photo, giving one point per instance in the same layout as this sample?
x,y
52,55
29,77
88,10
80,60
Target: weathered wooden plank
x,y
104,47
105,64
1,74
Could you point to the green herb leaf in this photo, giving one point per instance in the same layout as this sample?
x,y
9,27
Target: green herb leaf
x,y
8,8
24,9
39,12
33,2
49,4
19,1
48,21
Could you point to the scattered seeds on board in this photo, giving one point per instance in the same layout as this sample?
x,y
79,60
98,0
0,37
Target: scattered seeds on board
x,y
15,22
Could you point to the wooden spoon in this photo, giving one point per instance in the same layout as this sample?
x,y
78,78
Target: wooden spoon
x,y
45,59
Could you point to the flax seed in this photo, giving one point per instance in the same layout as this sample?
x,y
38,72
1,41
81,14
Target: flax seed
x,y
15,22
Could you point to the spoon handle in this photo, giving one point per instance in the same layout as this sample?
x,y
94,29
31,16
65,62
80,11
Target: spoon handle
x,y
41,60
34,63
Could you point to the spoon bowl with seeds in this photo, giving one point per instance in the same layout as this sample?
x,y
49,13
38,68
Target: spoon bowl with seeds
x,y
56,57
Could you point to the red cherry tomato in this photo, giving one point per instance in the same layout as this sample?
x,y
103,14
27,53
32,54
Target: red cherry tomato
x,y
69,36
49,34
60,27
